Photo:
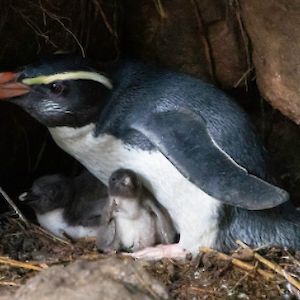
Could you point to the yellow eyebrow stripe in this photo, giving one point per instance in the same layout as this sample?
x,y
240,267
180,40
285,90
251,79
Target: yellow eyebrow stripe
x,y
70,75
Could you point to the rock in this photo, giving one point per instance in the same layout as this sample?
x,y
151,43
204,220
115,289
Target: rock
x,y
273,30
108,279
200,38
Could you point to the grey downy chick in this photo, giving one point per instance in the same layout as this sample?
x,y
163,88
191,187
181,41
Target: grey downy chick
x,y
135,220
71,206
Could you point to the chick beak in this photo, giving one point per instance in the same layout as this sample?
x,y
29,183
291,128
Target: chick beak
x,y
9,87
23,196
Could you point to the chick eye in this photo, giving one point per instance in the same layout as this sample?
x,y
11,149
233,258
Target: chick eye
x,y
57,88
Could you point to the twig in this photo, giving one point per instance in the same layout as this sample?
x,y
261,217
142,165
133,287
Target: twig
x,y
19,224
160,9
213,295
294,260
244,277
15,263
275,267
34,27
87,19
245,40
70,32
92,256
14,206
49,234
9,283
194,288
243,76
68,237
238,262
105,20
261,247
56,18
207,46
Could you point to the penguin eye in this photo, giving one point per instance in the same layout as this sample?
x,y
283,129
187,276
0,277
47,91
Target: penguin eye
x,y
57,88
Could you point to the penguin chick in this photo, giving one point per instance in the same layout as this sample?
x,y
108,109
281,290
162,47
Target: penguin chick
x,y
137,219
71,206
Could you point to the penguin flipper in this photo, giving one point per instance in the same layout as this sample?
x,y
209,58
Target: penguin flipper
x,y
163,225
182,137
106,237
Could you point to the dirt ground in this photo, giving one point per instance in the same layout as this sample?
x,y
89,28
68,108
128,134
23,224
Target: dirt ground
x,y
27,250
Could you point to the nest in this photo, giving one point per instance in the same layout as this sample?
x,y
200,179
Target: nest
x,y
27,249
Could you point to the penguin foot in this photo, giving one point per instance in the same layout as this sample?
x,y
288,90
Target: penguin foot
x,y
160,251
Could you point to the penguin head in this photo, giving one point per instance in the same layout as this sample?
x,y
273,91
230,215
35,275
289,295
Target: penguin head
x,y
124,183
58,91
48,193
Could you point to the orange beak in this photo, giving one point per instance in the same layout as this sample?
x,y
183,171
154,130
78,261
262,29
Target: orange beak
x,y
9,87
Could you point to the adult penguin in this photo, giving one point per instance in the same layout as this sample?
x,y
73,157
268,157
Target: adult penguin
x,y
193,147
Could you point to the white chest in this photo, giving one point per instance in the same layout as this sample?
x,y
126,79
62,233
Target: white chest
x,y
54,222
136,233
195,214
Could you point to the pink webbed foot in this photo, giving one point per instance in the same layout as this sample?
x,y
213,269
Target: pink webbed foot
x,y
160,251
